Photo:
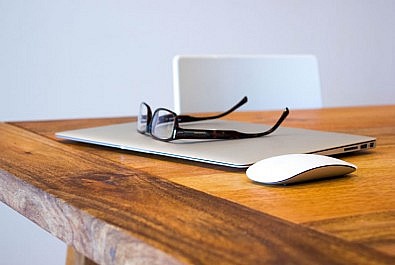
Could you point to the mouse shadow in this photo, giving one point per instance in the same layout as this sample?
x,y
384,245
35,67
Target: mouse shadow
x,y
306,182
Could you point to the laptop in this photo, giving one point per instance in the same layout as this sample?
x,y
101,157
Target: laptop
x,y
239,153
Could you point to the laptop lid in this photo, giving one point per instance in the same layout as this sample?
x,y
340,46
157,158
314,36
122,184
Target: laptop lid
x,y
240,153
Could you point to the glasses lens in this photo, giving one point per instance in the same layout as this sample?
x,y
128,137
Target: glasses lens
x,y
142,118
163,123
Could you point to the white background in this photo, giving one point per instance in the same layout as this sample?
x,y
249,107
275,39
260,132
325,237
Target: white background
x,y
67,59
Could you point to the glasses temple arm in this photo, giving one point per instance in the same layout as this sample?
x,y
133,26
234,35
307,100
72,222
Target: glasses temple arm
x,y
226,134
187,118
283,116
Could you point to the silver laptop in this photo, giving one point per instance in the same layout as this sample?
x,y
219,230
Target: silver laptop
x,y
240,153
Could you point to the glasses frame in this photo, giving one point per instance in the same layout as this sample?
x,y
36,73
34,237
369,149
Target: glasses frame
x,y
183,133
186,118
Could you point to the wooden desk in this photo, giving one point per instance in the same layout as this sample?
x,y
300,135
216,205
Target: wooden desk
x,y
119,207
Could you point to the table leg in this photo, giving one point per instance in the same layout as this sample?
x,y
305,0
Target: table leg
x,y
75,258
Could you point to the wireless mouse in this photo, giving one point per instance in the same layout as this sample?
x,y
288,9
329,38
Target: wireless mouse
x,y
292,168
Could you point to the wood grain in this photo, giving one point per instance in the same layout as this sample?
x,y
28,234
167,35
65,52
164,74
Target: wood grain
x,y
376,230
114,214
300,203
173,211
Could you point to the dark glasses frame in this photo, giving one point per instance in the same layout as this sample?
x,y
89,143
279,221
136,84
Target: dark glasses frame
x,y
182,118
183,133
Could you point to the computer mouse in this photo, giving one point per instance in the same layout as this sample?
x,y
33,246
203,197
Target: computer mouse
x,y
292,168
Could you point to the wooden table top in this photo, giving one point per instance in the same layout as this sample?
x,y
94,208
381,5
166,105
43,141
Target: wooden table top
x,y
120,207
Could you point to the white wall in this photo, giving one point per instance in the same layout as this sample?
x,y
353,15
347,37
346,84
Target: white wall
x,y
23,243
66,59
62,59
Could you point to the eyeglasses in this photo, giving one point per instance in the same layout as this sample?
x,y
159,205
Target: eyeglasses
x,y
164,125
144,119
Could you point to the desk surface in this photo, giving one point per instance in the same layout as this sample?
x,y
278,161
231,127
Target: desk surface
x,y
119,207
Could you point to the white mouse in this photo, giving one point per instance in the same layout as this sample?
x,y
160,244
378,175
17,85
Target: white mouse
x,y
291,168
